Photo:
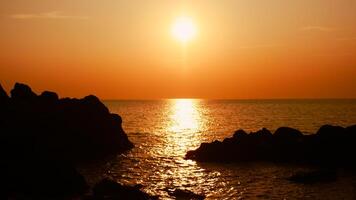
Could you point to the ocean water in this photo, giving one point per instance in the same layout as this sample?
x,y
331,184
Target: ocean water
x,y
164,130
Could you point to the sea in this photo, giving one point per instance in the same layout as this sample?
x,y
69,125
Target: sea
x,y
164,130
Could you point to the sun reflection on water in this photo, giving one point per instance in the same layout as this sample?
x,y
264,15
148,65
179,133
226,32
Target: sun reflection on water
x,y
183,133
185,116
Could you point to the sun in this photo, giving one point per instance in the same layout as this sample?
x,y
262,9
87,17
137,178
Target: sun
x,y
184,29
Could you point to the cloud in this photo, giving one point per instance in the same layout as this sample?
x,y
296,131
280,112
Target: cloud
x,y
47,15
316,28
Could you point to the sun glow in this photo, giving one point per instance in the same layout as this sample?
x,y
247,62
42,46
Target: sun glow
x,y
184,29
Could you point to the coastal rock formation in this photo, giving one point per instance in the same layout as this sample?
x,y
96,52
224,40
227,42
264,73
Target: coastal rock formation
x,y
331,145
111,190
42,136
3,94
37,177
69,128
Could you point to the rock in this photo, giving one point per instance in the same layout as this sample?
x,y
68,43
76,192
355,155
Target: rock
x,y
3,94
316,176
186,195
41,134
330,146
49,96
69,128
287,143
287,134
22,92
262,134
111,190
351,130
40,177
239,134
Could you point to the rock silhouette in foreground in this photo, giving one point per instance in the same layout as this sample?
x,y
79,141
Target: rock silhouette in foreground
x,y
70,128
111,190
42,136
331,145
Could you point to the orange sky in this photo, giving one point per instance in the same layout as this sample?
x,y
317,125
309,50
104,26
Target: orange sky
x,y
125,50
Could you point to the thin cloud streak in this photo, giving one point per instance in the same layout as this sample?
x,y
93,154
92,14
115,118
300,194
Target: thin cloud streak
x,y
47,15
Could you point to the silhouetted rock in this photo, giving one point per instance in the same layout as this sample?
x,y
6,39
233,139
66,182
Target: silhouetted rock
x,y
3,94
39,177
331,146
309,177
22,92
287,134
70,128
41,135
49,96
111,190
186,195
239,134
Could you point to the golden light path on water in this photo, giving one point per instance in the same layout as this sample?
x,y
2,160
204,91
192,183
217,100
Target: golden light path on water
x,y
185,122
183,134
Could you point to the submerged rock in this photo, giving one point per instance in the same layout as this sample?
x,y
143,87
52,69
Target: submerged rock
x,y
331,145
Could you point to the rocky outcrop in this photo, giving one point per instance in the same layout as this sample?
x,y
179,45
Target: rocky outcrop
x,y
41,136
331,145
22,92
111,190
38,177
70,128
3,94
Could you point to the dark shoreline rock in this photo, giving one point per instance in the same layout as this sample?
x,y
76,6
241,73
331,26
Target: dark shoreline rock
x,y
42,137
330,146
111,190
69,128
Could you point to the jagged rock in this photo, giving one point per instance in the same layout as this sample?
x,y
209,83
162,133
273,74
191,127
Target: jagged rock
x,y
74,128
49,96
330,146
22,92
330,132
40,134
239,134
111,190
3,94
287,134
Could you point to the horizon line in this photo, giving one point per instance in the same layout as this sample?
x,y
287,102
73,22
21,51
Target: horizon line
x,y
229,99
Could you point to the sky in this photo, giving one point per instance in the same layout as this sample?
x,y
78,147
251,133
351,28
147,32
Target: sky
x,y
124,49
